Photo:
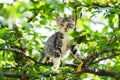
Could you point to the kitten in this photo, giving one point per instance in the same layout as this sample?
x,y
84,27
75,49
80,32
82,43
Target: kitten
x,y
58,45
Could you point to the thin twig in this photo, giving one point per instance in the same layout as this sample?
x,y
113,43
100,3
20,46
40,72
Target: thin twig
x,y
108,57
18,51
90,59
30,19
114,39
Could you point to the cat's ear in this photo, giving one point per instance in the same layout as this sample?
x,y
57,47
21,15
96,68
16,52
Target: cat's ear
x,y
73,18
58,18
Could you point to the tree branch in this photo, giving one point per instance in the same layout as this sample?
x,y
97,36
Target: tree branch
x,y
90,59
12,49
18,51
11,74
113,40
101,72
95,71
30,19
108,57
94,5
119,21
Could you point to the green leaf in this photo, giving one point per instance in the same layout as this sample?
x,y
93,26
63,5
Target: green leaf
x,y
116,67
74,34
105,29
3,32
39,76
43,22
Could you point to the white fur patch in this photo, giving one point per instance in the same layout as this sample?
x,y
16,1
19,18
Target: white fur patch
x,y
65,49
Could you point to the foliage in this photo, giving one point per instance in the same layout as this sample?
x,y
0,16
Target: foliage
x,y
25,25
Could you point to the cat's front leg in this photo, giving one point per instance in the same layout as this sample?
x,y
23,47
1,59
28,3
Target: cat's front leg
x,y
56,59
56,63
57,52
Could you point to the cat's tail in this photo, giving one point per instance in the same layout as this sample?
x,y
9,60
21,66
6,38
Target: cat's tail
x,y
76,52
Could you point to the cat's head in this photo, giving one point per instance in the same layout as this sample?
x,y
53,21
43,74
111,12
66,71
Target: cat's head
x,y
66,24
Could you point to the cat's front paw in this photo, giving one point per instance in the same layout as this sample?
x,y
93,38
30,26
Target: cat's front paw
x,y
55,69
